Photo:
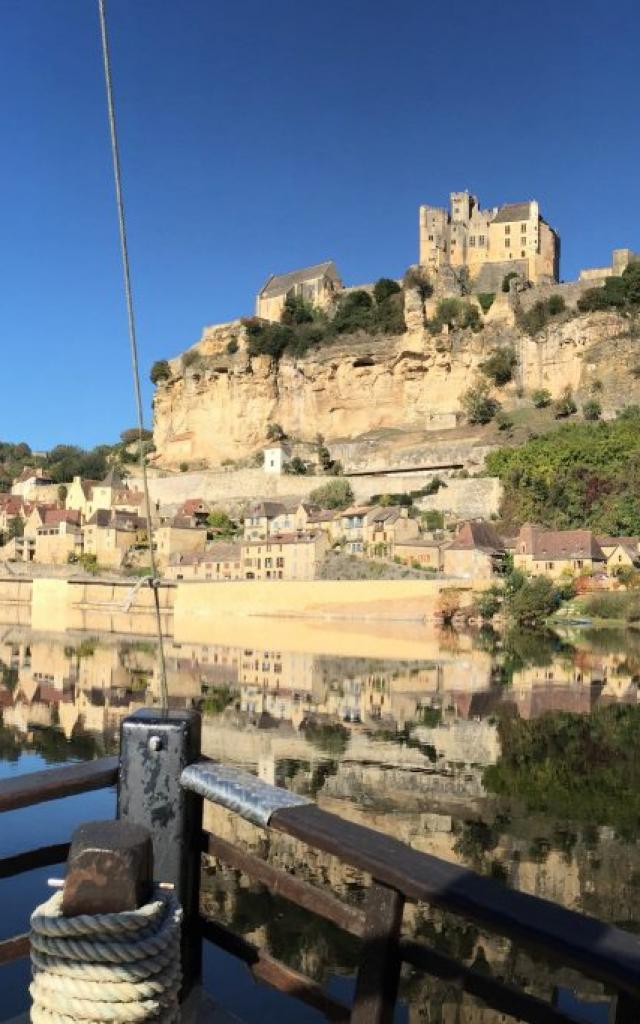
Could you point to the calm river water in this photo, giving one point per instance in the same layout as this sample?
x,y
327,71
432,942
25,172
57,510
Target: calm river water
x,y
516,756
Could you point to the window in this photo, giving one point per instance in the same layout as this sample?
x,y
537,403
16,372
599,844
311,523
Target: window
x,y
507,243
523,228
507,229
523,253
472,242
431,238
480,239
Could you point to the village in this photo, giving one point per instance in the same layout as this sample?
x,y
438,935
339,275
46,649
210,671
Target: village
x,y
100,527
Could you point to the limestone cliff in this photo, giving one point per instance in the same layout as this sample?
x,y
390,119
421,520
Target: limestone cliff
x,y
218,401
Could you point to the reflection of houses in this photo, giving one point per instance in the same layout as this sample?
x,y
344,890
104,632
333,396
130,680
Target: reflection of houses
x,y
575,684
283,684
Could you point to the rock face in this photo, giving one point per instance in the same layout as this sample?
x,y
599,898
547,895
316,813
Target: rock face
x,y
218,403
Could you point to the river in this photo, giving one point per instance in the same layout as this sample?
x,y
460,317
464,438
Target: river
x,y
513,755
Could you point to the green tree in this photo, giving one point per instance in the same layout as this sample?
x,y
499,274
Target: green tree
x,y
296,466
564,405
541,398
384,287
418,278
132,436
486,300
221,523
500,365
160,371
296,310
15,527
334,494
507,279
631,279
478,404
275,432
556,304
592,410
533,602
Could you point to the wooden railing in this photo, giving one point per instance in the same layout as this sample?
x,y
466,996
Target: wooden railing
x,y
399,874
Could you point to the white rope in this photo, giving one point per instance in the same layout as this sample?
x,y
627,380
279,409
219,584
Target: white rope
x,y
106,967
133,343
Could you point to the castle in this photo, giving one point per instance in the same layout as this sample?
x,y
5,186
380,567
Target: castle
x,y
489,243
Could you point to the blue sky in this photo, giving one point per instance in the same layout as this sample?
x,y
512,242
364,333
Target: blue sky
x,y
257,137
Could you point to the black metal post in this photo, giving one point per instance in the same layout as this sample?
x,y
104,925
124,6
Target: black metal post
x,y
155,747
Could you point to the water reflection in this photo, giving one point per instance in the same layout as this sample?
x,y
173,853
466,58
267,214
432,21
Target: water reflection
x,y
515,755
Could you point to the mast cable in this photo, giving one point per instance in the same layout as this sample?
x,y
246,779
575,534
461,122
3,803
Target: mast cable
x,y
117,175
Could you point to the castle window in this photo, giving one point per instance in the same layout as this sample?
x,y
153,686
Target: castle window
x,y
480,239
523,253
507,229
472,241
507,243
431,238
523,228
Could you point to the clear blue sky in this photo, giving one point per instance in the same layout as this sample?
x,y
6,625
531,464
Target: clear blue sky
x,y
257,137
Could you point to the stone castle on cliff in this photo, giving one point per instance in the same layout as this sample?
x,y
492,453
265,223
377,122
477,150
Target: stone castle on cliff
x,y
491,243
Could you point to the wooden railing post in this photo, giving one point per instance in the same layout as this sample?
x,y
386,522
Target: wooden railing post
x,y
155,748
379,971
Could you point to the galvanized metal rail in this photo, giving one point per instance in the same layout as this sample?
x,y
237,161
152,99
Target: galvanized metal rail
x,y
162,782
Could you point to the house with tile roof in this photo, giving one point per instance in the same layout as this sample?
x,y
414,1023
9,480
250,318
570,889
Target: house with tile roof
x,y
555,553
476,552
317,285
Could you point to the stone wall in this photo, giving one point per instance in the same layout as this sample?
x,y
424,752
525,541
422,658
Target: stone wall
x,y
569,290
468,499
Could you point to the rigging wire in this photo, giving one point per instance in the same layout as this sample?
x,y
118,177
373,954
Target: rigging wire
x,y
124,250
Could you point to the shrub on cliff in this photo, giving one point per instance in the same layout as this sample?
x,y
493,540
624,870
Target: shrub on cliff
x,y
384,287
267,339
160,371
541,398
455,313
537,317
592,410
335,494
565,405
296,311
507,279
418,278
478,405
486,300
616,293
354,312
500,365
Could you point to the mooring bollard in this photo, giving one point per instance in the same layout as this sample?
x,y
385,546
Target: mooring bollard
x,y
109,869
155,747
108,946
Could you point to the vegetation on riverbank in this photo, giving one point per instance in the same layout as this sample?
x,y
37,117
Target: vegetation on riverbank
x,y
580,475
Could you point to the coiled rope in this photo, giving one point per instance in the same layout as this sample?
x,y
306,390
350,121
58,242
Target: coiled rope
x,y
133,342
106,967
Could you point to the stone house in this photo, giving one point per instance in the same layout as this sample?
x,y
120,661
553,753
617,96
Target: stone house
x,y
476,552
351,528
556,553
275,457
218,562
196,510
79,496
267,517
421,550
57,543
49,515
489,243
286,556
114,493
387,526
620,552
317,285
30,481
109,535
179,536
